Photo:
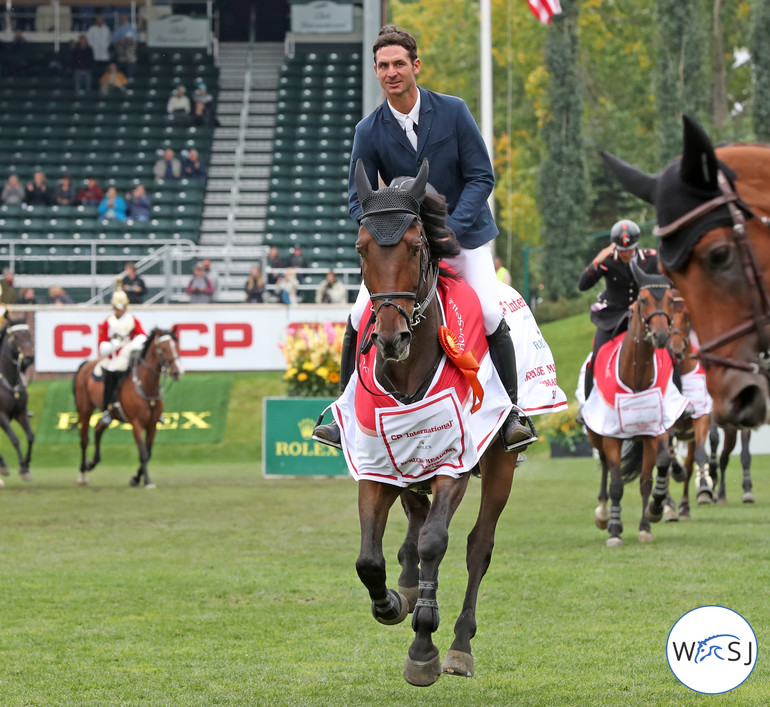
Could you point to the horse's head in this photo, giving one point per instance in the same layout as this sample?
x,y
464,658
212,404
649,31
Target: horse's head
x,y
681,328
654,306
712,211
167,345
399,246
21,348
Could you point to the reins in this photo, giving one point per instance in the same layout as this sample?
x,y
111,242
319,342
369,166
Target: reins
x,y
760,300
159,371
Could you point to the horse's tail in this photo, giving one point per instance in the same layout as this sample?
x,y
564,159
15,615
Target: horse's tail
x,y
631,459
76,376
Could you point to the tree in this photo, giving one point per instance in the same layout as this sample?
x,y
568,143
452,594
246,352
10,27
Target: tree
x,y
563,182
760,54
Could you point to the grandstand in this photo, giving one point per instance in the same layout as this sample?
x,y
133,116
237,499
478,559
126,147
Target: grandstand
x,y
278,163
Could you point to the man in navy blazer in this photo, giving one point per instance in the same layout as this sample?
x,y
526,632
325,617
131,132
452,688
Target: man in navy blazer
x,y
411,125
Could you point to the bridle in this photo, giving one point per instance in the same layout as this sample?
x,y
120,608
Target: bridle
x,y
646,320
159,338
16,357
760,300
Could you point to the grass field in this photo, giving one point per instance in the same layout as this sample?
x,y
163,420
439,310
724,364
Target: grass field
x,y
222,588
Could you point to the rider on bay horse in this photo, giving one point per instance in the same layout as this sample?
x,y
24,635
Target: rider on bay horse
x,y
610,313
119,336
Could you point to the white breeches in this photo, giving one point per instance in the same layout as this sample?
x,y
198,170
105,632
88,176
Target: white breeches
x,y
477,268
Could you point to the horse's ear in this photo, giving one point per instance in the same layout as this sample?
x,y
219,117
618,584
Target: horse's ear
x,y
637,272
699,166
417,189
632,179
363,188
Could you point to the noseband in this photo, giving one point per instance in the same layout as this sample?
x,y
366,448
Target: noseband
x,y
760,301
646,320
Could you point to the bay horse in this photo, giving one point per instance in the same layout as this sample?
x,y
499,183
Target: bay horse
x,y
728,444
649,329
16,355
713,213
402,278
140,395
694,430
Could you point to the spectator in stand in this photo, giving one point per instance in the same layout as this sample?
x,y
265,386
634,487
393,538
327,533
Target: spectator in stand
x,y
193,167
16,56
99,39
200,289
38,193
255,286
275,263
331,290
65,192
297,260
139,204
203,106
288,286
178,106
168,167
124,40
92,194
9,294
112,206
133,285
113,81
82,62
28,297
503,274
207,271
13,191
58,295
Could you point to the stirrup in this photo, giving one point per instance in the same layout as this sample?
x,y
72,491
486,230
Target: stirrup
x,y
527,433
328,434
106,417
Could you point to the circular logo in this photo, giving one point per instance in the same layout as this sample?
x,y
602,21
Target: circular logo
x,y
711,649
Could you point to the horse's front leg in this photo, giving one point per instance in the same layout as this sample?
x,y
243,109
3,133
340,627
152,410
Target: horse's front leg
x,y
748,495
24,422
423,664
144,455
374,503
612,451
416,507
684,504
602,511
656,451
5,423
496,479
149,439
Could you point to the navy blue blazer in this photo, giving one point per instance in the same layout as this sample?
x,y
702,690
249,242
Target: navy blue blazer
x,y
449,138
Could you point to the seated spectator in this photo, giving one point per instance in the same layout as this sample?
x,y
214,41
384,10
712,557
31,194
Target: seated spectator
x,y
92,194
82,63
298,260
193,167
112,207
139,204
255,286
331,290
65,192
124,43
113,80
9,294
178,105
200,289
13,191
288,286
38,193
28,297
275,263
169,167
203,106
58,295
133,285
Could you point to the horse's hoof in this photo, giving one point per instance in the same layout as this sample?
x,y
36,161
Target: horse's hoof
x,y
422,673
705,497
26,476
669,514
654,514
722,500
402,611
150,486
645,536
614,541
2,483
82,479
458,663
748,497
684,514
602,516
4,471
410,594
133,483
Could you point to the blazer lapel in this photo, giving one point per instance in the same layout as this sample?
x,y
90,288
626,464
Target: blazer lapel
x,y
426,118
392,126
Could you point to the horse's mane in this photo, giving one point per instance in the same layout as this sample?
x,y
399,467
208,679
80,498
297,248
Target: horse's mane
x,y
150,338
442,242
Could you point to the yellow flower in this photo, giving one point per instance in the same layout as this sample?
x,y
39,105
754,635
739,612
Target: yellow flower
x,y
307,366
302,377
323,372
333,377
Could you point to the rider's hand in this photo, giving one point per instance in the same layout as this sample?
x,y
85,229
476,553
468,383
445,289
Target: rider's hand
x,y
604,253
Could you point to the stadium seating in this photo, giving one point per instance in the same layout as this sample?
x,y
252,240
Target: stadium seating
x,y
318,106
46,125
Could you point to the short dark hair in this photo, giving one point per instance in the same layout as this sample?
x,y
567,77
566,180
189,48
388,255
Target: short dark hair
x,y
390,35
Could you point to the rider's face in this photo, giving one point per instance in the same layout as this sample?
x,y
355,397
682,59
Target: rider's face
x,y
626,255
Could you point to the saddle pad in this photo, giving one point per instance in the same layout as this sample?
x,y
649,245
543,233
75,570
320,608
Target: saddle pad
x,y
640,413
694,389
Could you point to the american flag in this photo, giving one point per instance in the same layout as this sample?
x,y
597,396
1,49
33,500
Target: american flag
x,y
544,9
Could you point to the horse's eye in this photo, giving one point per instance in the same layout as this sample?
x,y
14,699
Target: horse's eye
x,y
720,258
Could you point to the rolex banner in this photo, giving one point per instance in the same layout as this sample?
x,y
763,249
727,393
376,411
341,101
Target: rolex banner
x,y
288,448
194,411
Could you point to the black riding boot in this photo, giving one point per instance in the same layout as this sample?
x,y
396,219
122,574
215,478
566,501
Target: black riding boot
x,y
517,431
110,378
330,434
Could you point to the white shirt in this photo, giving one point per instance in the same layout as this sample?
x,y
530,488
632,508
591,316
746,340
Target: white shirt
x,y
99,40
407,121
